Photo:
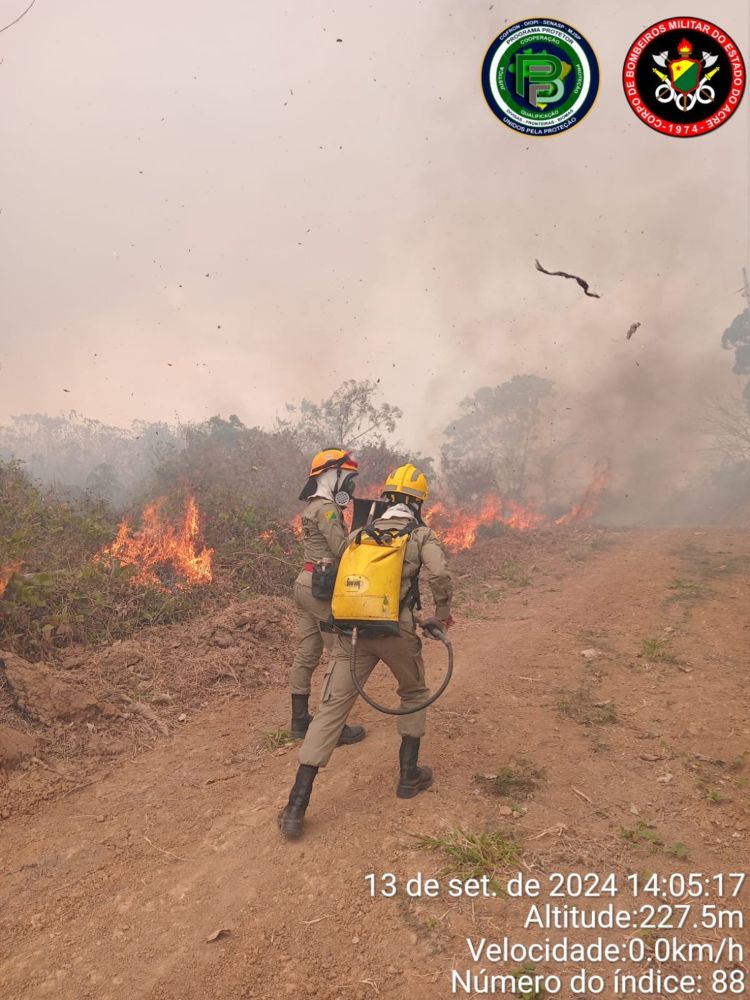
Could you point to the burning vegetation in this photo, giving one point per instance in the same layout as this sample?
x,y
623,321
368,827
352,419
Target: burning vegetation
x,y
458,528
6,573
164,554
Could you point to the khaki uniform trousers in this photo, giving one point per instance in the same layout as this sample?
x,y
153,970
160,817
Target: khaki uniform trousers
x,y
311,611
401,653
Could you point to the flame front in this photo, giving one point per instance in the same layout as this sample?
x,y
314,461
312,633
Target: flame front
x,y
6,574
458,528
162,550
587,505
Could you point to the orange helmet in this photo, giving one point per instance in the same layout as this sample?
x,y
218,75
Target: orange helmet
x,y
332,458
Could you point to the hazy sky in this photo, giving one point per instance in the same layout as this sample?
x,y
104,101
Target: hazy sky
x,y
229,189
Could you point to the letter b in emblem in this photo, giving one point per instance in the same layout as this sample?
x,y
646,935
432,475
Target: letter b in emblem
x,y
539,76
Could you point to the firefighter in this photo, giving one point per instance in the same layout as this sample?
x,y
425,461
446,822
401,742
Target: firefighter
x,y
405,490
324,537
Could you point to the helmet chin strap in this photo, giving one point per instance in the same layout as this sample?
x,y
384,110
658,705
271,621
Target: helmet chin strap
x,y
414,505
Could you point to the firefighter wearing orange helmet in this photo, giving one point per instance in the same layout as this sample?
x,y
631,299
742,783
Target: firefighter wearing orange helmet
x,y
405,490
324,537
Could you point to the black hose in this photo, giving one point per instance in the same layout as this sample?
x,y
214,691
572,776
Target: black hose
x,y
400,711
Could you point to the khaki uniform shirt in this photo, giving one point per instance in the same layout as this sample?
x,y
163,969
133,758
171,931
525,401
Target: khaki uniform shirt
x,y
324,534
423,550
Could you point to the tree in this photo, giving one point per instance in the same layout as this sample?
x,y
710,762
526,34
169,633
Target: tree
x,y
350,417
78,453
231,468
737,338
377,461
494,444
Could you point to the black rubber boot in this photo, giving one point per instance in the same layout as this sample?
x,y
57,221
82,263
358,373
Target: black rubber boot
x,y
301,720
301,717
351,734
291,817
413,779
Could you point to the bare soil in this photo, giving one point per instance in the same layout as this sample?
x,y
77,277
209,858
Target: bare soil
x,y
129,840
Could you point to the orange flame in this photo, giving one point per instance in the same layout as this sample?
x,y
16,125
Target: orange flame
x,y
6,574
158,548
589,502
458,528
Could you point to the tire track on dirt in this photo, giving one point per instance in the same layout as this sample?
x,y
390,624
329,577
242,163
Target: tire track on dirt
x,y
91,908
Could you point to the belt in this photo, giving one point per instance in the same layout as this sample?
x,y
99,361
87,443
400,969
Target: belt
x,y
309,567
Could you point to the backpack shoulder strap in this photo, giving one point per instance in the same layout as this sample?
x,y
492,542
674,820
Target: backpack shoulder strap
x,y
407,529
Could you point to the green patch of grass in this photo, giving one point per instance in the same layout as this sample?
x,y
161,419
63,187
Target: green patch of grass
x,y
524,983
277,738
642,833
646,834
656,651
472,855
685,590
711,794
87,604
512,782
581,708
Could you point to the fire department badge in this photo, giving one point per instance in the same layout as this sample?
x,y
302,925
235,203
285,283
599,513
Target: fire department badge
x,y
684,77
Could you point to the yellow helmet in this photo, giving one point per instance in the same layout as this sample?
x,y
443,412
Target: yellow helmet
x,y
409,480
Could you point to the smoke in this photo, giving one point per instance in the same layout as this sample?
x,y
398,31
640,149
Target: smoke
x,y
225,215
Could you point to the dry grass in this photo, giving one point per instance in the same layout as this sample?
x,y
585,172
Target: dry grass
x,y
473,855
517,782
581,708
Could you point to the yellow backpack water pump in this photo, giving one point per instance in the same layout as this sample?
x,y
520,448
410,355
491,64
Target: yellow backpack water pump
x,y
367,591
367,599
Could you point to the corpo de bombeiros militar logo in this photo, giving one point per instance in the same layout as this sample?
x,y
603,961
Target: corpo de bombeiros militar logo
x,y
540,77
684,77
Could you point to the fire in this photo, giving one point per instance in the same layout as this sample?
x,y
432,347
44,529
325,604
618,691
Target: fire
x,y
587,505
458,528
6,574
163,552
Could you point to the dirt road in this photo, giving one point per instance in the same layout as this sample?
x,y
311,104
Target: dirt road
x,y
112,892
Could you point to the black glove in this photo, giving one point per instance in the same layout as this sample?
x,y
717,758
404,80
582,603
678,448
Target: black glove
x,y
433,627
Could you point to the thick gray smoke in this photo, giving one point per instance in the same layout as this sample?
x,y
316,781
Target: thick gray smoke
x,y
222,211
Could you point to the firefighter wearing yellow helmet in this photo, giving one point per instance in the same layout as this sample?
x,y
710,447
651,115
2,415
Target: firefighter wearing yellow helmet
x,y
328,490
394,642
